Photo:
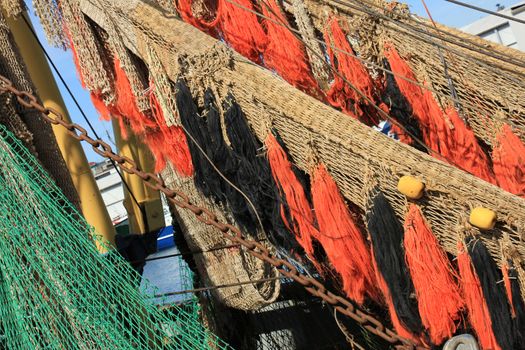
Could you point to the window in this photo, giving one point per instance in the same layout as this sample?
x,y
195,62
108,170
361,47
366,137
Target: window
x,y
517,9
103,175
501,35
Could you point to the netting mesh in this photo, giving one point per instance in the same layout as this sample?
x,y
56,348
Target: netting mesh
x,y
56,290
221,266
485,76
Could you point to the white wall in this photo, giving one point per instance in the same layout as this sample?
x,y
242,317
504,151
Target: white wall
x,y
112,192
501,30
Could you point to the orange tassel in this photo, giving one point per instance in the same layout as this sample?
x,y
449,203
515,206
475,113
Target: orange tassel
x,y
411,91
341,95
157,145
300,212
126,105
443,132
285,53
186,13
169,143
341,239
177,151
479,315
509,162
438,295
242,29
100,106
464,149
508,289
433,125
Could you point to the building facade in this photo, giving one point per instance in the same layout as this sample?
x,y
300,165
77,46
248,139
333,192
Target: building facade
x,y
112,190
110,186
501,30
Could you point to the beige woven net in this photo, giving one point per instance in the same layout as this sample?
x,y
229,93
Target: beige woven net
x,y
94,72
304,23
222,266
12,7
51,20
487,77
356,156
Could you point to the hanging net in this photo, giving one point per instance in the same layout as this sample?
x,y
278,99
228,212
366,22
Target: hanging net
x,y
57,291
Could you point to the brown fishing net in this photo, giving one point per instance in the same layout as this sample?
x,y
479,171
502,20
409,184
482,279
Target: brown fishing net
x,y
223,266
356,155
483,81
51,20
116,41
27,124
487,78
163,88
12,7
313,48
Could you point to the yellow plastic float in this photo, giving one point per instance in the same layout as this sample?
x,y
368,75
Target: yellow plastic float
x,y
411,187
483,218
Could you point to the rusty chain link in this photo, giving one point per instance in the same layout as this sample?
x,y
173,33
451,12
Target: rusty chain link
x,y
230,232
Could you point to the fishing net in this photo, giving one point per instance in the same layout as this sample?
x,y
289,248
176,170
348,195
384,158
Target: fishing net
x,y
57,291
358,157
445,59
12,7
223,266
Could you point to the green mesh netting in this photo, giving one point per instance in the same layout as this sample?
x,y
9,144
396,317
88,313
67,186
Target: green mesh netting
x,y
57,291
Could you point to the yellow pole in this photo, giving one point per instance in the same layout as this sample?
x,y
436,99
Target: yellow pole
x,y
152,201
149,202
91,202
135,219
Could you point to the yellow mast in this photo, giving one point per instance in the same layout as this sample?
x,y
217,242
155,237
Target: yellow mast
x,y
149,202
91,202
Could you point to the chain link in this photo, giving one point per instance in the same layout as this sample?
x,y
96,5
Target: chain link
x,y
230,232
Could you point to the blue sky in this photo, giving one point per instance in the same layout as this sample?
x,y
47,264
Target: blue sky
x,y
454,15
440,10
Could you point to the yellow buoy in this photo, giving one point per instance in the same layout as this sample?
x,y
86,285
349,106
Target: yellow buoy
x,y
411,187
483,218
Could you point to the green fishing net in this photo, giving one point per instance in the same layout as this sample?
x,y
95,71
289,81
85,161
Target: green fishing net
x,y
57,291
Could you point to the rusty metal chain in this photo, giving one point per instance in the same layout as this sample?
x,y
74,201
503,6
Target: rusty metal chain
x,y
204,215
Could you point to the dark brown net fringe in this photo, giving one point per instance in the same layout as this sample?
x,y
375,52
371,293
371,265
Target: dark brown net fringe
x,y
493,293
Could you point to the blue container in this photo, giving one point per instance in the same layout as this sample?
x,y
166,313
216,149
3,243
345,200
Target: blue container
x,y
165,238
